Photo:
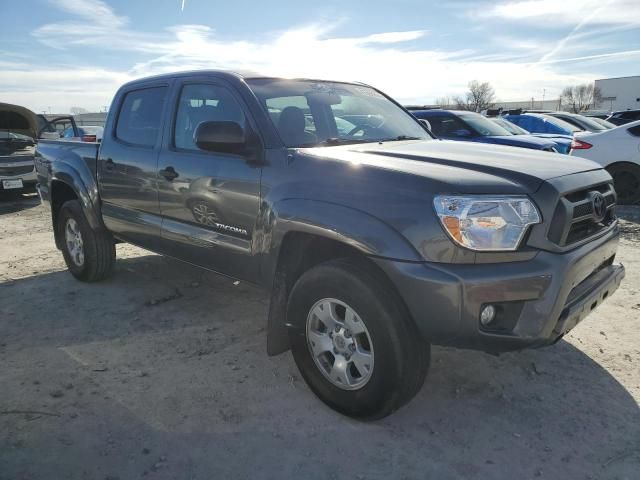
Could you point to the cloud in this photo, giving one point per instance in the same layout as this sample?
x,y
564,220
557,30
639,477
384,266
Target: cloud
x,y
551,13
393,61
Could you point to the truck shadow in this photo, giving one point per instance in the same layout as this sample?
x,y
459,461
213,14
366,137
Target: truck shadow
x,y
177,356
14,202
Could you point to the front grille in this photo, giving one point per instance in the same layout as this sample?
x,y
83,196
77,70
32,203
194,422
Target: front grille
x,y
12,171
574,219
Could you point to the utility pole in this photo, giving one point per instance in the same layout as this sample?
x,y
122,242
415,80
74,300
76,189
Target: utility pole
x,y
544,91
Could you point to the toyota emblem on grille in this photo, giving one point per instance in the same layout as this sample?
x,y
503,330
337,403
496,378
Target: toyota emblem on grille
x,y
599,206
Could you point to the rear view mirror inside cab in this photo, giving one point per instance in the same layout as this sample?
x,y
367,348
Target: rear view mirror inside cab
x,y
324,98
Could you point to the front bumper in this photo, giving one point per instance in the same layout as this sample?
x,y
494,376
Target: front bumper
x,y
542,298
29,179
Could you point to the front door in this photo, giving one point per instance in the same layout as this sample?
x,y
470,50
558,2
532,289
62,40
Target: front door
x,y
127,168
209,201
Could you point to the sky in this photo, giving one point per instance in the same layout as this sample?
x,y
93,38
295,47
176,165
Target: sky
x,y
59,54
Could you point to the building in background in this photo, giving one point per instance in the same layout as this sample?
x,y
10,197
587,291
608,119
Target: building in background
x,y
622,93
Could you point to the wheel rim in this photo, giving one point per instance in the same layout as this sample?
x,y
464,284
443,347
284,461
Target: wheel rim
x,y
340,344
75,245
203,214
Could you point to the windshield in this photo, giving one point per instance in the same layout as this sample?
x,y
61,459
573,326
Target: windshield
x,y
310,113
510,127
561,123
483,125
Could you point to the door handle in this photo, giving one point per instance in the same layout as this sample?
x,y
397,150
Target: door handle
x,y
109,165
169,173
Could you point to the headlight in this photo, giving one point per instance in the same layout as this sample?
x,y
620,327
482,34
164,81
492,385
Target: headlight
x,y
486,223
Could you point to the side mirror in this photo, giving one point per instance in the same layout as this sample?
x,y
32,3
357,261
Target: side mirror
x,y
226,137
425,123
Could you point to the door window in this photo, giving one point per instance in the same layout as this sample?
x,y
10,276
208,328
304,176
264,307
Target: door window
x,y
140,114
203,103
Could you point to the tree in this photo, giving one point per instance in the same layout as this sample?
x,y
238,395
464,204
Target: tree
x,y
479,97
444,102
581,97
77,110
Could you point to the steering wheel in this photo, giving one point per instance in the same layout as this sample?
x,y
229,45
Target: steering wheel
x,y
366,125
356,129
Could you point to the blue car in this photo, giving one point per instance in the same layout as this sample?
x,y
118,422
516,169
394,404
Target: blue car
x,y
541,123
563,142
473,127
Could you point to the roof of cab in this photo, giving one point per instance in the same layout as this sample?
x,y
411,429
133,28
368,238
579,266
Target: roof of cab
x,y
229,74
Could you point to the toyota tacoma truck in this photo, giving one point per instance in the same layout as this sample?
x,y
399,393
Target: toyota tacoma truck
x,y
374,239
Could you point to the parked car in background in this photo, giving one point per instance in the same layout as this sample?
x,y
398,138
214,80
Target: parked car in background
x,y
18,133
473,127
601,114
608,125
542,123
562,142
583,123
85,133
374,242
618,150
624,116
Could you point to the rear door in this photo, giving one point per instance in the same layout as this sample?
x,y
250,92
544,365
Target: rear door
x,y
127,165
209,201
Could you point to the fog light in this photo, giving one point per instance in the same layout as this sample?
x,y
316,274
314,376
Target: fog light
x,y
487,315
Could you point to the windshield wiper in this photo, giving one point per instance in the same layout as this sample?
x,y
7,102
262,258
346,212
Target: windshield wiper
x,y
400,137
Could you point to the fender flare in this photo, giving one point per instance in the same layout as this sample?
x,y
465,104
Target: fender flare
x,y
352,227
82,182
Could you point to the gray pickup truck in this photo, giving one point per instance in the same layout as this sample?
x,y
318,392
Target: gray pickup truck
x,y
375,239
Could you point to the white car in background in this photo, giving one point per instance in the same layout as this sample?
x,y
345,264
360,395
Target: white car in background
x,y
618,150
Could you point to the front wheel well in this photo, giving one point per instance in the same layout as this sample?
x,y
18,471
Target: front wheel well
x,y
300,252
626,181
60,193
620,164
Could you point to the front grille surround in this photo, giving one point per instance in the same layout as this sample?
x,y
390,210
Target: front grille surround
x,y
574,220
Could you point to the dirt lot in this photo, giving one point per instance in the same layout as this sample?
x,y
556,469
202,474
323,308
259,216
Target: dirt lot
x,y
161,373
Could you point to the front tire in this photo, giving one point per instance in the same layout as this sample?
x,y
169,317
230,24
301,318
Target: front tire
x,y
353,340
626,181
89,254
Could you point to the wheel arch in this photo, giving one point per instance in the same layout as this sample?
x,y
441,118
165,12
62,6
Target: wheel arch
x,y
301,238
630,165
66,184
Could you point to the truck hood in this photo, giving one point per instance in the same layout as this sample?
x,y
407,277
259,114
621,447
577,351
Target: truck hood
x,y
18,120
464,166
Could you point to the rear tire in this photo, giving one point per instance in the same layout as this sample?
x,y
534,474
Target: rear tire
x,y
361,297
89,254
626,181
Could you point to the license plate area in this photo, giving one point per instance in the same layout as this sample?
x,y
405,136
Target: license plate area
x,y
10,184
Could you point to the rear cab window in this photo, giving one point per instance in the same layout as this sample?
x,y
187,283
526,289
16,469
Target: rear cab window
x,y
140,116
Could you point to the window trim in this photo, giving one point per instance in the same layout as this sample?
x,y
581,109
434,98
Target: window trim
x,y
123,96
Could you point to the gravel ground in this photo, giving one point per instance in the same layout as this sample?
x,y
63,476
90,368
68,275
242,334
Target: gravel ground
x,y
161,373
